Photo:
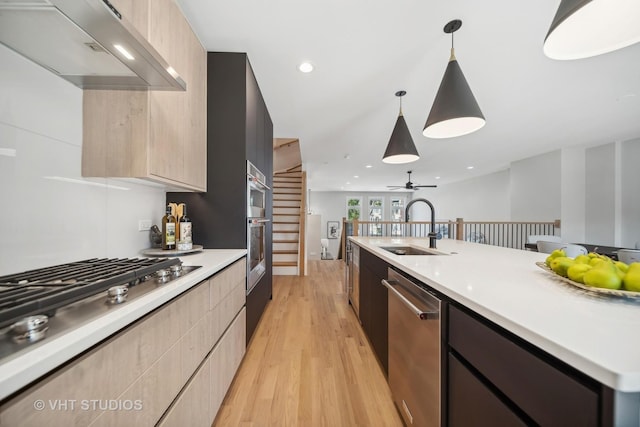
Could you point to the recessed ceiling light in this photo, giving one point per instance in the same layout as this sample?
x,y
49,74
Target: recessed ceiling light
x,y
469,167
305,67
437,177
348,183
368,166
356,176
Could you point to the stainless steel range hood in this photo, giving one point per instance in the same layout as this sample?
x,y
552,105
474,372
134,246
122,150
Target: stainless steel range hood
x,y
86,42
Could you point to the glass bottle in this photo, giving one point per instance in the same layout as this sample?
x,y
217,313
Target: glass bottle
x,y
168,230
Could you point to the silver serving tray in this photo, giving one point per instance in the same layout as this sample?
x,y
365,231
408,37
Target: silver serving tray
x,y
170,252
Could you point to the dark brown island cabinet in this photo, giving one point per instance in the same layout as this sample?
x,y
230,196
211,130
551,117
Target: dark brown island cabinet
x,y
490,377
239,128
373,305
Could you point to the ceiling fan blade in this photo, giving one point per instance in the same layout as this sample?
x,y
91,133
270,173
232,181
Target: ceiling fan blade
x,y
425,186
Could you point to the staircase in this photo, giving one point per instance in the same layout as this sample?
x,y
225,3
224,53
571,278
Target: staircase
x,y
288,195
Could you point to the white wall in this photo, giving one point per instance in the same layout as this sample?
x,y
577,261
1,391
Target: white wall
x,y
535,188
600,198
312,236
612,202
572,199
485,198
630,194
48,221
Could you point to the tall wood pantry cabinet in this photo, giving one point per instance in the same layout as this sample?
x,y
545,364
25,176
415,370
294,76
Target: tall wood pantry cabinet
x,y
152,135
239,128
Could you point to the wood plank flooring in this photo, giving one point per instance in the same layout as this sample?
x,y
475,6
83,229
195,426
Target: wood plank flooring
x,y
309,363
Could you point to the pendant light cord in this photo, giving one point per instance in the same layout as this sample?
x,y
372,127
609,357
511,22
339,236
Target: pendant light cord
x,y
453,55
400,106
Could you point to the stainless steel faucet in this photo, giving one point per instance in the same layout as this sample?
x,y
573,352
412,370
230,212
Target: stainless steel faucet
x,y
432,231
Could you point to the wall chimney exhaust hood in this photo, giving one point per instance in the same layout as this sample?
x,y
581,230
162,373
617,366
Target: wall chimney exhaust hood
x,y
86,42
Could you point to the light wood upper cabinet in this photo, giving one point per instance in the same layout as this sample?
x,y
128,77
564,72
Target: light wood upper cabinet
x,y
154,135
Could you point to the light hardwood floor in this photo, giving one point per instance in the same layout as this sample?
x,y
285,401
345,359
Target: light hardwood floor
x,y
309,363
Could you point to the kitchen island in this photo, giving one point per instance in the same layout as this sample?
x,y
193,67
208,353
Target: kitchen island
x,y
593,334
162,342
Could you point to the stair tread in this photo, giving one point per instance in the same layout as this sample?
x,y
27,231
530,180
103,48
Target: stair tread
x,y
286,222
286,241
288,174
286,214
285,264
285,251
285,231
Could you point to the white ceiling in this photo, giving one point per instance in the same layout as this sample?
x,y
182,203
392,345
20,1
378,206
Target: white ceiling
x,y
366,50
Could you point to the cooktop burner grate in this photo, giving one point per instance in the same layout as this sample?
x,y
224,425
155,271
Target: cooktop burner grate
x,y
44,290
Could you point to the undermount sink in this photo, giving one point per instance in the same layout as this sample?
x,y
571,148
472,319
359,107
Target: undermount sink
x,y
407,250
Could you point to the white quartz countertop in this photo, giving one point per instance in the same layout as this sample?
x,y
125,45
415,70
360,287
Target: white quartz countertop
x,y
595,334
27,366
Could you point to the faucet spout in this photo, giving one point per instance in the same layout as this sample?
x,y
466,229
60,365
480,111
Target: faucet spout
x,y
432,230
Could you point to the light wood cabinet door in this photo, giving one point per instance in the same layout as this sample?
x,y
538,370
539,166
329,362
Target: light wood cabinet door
x,y
225,360
193,407
154,135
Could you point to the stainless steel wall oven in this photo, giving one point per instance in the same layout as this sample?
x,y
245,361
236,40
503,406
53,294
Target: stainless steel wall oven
x,y
256,225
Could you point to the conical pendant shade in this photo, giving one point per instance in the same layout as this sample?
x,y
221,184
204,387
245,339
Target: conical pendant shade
x,y
585,28
455,111
401,148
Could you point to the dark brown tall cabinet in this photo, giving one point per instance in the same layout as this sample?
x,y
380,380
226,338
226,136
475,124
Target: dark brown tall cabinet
x,y
239,128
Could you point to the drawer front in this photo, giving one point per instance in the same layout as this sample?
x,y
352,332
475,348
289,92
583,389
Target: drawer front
x,y
472,403
549,396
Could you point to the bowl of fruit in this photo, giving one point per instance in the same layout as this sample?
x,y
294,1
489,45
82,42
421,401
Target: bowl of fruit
x,y
596,273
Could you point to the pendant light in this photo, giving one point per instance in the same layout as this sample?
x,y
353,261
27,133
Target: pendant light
x,y
401,148
584,28
455,111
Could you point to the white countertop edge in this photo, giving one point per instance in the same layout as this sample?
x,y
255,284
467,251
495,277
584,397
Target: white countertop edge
x,y
617,380
21,371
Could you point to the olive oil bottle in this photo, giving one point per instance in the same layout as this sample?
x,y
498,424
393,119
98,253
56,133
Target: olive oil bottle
x,y
168,230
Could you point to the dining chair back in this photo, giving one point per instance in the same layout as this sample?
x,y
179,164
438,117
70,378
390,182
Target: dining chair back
x,y
629,255
534,238
570,249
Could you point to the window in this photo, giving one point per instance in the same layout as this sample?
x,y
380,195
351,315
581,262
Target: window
x,y
397,215
354,204
376,209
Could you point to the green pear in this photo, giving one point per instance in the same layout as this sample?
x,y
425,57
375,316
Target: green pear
x,y
631,280
561,264
555,254
577,270
603,275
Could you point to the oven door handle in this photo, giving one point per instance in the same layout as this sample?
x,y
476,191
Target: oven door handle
x,y
259,221
256,181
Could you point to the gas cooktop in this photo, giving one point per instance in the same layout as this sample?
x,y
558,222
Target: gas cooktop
x,y
45,301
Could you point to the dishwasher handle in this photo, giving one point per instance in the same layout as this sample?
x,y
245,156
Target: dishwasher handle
x,y
421,314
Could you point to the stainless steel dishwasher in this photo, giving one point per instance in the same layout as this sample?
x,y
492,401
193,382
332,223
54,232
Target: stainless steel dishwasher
x,y
414,350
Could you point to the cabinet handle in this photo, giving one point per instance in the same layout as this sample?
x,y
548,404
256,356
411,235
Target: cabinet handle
x,y
421,314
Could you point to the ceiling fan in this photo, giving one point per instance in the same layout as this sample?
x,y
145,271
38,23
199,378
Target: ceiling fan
x,y
410,185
